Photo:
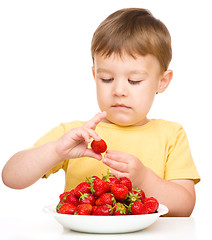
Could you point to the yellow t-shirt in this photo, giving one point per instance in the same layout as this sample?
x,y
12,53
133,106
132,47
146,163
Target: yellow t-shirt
x,y
161,146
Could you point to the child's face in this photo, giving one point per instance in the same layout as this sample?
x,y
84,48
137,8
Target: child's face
x,y
126,87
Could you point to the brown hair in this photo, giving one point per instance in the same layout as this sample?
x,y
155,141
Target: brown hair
x,y
134,31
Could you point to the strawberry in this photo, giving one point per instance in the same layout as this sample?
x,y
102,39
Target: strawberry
x,y
99,146
126,182
58,207
63,195
90,180
151,204
87,198
94,209
106,198
138,208
70,198
111,179
140,193
82,188
120,209
119,191
83,209
135,195
103,210
99,187
66,208
72,191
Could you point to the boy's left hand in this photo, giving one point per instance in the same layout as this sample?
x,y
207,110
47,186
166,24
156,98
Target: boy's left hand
x,y
127,165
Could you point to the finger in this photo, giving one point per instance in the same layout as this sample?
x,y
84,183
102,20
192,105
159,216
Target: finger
x,y
92,123
86,134
92,154
119,166
118,156
118,174
93,134
82,134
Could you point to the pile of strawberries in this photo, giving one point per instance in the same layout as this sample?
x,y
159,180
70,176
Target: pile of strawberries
x,y
105,197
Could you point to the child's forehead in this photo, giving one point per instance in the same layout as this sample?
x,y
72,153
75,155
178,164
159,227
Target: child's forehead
x,y
100,59
117,55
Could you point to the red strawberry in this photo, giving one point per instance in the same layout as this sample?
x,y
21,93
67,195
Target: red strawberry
x,y
58,207
87,198
99,187
119,191
104,210
135,195
71,198
138,208
82,188
120,209
66,208
94,209
72,191
126,182
140,192
106,198
90,180
111,179
63,195
83,209
99,146
151,204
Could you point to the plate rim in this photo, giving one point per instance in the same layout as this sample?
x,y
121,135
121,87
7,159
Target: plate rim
x,y
71,221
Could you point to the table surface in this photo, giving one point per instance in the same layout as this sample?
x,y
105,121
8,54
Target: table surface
x,y
44,226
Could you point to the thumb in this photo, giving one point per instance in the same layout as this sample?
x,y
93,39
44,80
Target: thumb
x,y
92,154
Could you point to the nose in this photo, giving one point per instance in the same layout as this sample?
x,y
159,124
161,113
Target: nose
x,y
119,88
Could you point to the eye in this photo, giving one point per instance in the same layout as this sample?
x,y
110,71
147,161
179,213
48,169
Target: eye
x,y
134,82
107,80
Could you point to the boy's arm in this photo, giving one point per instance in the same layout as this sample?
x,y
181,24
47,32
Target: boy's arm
x,y
26,167
178,195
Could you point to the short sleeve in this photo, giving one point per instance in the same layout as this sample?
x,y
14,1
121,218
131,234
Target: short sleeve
x,y
179,162
53,135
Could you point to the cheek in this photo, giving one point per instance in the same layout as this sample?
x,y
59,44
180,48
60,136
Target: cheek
x,y
101,95
144,98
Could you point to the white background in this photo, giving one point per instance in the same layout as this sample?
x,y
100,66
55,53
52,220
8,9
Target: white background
x,y
46,79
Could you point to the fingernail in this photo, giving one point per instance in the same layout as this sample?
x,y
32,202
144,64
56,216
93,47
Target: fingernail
x,y
104,160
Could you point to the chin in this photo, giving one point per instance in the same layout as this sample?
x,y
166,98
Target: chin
x,y
122,122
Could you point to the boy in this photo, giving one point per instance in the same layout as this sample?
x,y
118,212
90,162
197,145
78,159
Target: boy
x,y
131,52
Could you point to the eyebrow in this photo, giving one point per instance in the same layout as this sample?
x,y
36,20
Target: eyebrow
x,y
138,72
100,70
103,70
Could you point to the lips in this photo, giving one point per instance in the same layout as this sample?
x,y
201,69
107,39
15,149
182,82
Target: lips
x,y
120,106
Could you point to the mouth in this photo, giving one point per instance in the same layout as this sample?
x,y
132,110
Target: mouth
x,y
120,106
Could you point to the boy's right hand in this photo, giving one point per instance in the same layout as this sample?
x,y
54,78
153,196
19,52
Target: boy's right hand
x,y
74,143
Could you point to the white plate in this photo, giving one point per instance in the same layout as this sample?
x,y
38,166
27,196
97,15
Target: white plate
x,y
106,224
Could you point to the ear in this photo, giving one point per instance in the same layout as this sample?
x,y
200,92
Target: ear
x,y
93,71
165,81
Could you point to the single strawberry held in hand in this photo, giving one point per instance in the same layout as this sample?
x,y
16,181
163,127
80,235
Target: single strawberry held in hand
x,y
99,146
